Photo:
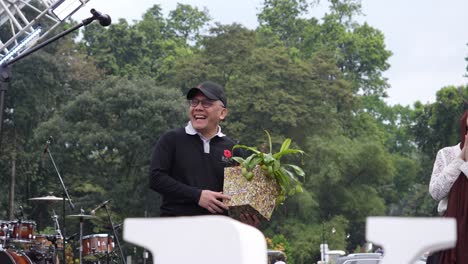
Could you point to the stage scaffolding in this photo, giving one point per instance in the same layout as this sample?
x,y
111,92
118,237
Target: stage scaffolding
x,y
24,23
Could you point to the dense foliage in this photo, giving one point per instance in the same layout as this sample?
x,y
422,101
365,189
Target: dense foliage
x,y
106,97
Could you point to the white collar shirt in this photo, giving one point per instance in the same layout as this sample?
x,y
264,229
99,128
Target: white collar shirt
x,y
206,141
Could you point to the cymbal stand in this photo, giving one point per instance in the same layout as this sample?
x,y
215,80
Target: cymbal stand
x,y
81,237
57,237
56,225
115,235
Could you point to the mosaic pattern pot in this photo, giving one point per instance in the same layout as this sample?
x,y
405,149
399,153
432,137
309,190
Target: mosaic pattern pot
x,y
255,197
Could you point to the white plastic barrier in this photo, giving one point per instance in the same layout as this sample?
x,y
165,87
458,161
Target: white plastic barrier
x,y
405,239
198,239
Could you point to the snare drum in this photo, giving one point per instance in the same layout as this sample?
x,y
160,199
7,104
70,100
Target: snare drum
x,y
22,231
97,245
12,257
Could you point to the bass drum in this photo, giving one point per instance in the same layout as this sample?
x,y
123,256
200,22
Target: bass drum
x,y
11,257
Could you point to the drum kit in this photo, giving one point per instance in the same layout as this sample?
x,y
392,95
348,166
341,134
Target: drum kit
x,y
19,244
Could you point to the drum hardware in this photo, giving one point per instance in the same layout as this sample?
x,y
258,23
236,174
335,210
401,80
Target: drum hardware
x,y
57,225
4,233
43,248
19,213
72,237
111,223
22,246
81,217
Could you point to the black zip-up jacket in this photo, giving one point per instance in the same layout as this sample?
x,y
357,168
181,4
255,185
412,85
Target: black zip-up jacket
x,y
180,170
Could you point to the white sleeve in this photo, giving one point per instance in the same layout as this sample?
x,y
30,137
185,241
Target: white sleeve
x,y
444,175
464,168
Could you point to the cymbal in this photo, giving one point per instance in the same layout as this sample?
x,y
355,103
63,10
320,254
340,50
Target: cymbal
x,y
47,198
81,216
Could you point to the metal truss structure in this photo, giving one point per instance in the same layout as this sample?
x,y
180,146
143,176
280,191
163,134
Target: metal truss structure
x,y
25,22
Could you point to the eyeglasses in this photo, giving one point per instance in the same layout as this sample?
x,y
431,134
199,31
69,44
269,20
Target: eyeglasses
x,y
206,103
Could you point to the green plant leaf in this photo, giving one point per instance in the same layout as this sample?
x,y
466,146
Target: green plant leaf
x,y
255,161
276,165
289,174
297,170
282,179
270,169
253,149
287,151
280,199
248,161
268,158
285,145
269,141
239,160
299,188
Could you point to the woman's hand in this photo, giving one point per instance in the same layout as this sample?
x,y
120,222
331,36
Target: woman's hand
x,y
463,154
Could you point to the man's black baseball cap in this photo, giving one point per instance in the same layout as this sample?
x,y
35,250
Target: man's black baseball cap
x,y
211,90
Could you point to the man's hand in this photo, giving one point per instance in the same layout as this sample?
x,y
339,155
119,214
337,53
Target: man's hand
x,y
249,220
211,201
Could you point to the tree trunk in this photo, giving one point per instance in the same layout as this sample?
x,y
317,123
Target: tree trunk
x,y
12,187
13,177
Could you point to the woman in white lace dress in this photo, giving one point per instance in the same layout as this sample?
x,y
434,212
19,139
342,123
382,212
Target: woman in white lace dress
x,y
449,186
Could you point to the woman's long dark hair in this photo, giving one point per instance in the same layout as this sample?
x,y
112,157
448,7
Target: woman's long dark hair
x,y
463,128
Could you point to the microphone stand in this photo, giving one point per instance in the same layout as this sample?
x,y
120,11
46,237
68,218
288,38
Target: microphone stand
x,y
65,197
115,235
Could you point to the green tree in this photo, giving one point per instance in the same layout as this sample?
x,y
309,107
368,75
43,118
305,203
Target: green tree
x,y
118,50
282,17
359,50
187,21
346,175
345,10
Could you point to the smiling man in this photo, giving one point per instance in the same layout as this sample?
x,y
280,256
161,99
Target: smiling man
x,y
187,164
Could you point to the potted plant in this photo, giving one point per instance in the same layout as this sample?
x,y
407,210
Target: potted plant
x,y
261,182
